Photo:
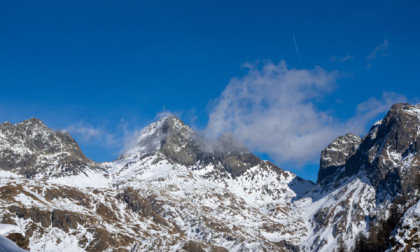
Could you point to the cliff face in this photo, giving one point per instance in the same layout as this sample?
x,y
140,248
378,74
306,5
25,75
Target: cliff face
x,y
335,156
388,154
175,191
376,172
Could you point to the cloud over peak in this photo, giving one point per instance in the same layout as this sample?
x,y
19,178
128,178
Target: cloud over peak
x,y
273,110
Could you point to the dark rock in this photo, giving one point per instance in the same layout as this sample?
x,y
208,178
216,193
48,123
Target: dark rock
x,y
141,205
195,246
39,216
19,239
334,157
387,155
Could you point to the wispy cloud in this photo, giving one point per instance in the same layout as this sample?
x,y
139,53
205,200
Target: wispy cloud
x,y
272,109
165,112
88,134
120,138
128,137
342,59
379,51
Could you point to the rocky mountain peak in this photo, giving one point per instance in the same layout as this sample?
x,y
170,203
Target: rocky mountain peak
x,y
393,147
31,149
167,132
388,154
334,157
178,143
34,122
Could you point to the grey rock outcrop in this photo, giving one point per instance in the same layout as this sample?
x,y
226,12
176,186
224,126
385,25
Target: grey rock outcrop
x,y
387,155
389,152
364,177
32,149
334,157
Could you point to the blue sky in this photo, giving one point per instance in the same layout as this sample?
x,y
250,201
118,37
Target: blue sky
x,y
104,69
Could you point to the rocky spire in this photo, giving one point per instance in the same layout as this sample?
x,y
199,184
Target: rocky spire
x,y
334,157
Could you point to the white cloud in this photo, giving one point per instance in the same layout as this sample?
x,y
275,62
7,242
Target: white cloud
x,y
381,50
273,110
128,139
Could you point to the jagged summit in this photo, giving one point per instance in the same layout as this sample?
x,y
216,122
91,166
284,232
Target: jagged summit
x,y
31,149
167,131
334,157
178,143
389,150
33,121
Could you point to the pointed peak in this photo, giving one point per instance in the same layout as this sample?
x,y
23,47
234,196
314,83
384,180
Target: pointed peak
x,y
169,123
34,122
335,156
171,118
400,108
153,136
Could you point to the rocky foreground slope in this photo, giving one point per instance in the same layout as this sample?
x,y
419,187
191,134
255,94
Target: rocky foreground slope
x,y
175,191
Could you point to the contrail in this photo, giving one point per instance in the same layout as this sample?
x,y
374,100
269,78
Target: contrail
x,y
297,51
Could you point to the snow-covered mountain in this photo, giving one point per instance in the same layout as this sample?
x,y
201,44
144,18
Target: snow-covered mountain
x,y
175,191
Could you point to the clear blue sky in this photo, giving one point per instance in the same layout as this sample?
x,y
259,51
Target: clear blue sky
x,y
111,66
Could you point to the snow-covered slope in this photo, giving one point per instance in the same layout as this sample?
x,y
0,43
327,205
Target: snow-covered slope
x,y
175,191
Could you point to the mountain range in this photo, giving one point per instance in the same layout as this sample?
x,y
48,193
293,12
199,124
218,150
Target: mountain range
x,y
176,191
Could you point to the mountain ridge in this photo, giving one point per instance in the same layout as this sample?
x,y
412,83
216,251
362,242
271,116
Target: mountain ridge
x,y
175,191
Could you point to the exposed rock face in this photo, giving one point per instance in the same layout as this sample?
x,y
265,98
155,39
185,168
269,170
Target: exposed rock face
x,y
31,149
334,157
193,246
366,176
388,154
19,239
